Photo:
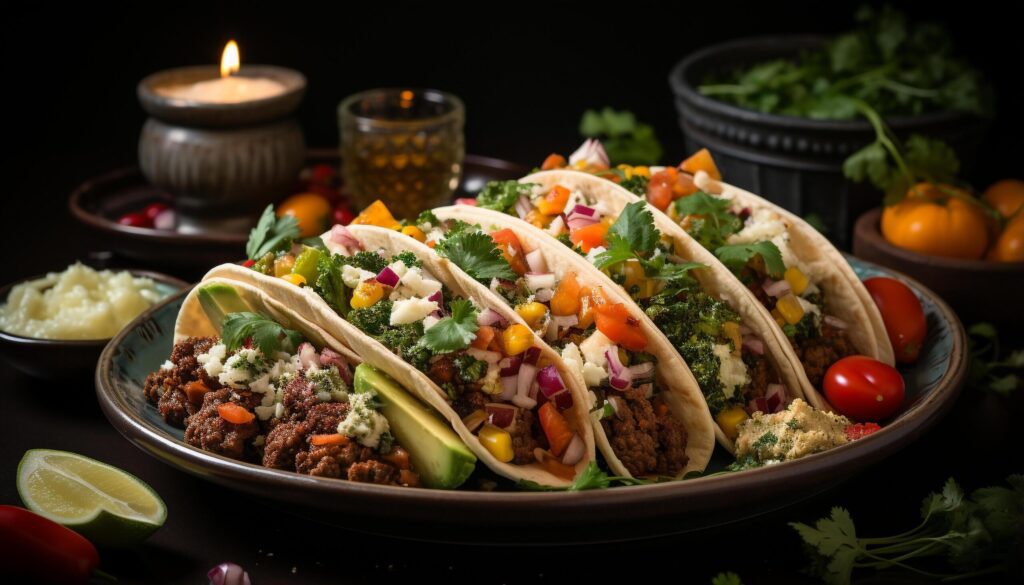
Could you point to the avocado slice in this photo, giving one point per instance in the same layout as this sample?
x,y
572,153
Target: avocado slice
x,y
218,300
438,454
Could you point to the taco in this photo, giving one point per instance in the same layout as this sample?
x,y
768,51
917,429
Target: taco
x,y
249,380
726,340
819,304
649,416
441,335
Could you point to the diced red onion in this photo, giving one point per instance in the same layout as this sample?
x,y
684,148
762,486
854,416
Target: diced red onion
x,y
584,211
556,227
527,374
329,357
775,288
775,398
539,280
438,298
523,206
165,220
550,381
500,415
754,345
642,371
757,405
574,452
535,392
562,399
619,376
531,356
343,237
535,260
388,277
509,385
510,365
491,318
575,223
466,201
835,322
307,355
544,295
590,152
491,357
228,574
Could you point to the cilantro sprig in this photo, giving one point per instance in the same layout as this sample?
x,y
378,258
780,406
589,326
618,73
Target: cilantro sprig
x,y
502,195
267,335
625,139
453,332
476,254
976,535
736,256
634,236
271,234
711,221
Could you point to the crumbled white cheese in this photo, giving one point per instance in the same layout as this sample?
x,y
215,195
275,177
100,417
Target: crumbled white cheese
x,y
414,284
429,321
766,225
362,422
352,276
411,310
790,434
593,373
213,360
593,348
243,367
733,372
398,267
435,235
168,365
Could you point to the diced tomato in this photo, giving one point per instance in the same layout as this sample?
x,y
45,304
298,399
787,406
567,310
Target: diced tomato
x,y
659,194
590,236
701,161
556,428
554,202
566,300
466,201
553,161
248,263
509,244
615,322
861,430
484,336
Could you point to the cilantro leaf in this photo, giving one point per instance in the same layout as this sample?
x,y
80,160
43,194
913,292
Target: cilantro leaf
x,y
502,195
427,217
625,139
713,222
736,256
454,332
271,234
619,250
268,335
636,225
476,254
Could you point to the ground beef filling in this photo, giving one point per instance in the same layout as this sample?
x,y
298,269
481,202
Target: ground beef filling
x,y
288,442
818,353
761,375
644,434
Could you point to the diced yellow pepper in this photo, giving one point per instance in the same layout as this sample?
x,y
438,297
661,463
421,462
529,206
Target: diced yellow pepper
x,y
790,309
296,279
634,274
366,294
377,214
415,232
778,317
532,313
732,331
627,171
642,171
797,280
538,219
497,441
283,265
517,339
729,420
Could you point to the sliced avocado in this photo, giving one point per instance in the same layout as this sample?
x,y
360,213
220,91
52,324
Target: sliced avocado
x,y
306,264
218,300
438,454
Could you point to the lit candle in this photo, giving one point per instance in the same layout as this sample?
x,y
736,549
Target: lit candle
x,y
228,89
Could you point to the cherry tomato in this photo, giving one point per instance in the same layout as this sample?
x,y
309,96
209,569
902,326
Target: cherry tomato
x,y
864,389
465,201
154,209
313,212
343,214
135,219
902,314
323,174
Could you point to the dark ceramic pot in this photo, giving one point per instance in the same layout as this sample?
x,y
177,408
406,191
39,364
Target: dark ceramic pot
x,y
795,162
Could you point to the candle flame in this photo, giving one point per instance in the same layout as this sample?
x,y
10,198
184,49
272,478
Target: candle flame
x,y
229,59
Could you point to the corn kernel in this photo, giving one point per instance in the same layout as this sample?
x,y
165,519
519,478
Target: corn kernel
x,y
729,420
296,279
497,441
532,313
367,294
797,280
517,339
790,309
414,232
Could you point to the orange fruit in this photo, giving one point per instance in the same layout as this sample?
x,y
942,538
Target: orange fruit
x,y
313,212
1006,196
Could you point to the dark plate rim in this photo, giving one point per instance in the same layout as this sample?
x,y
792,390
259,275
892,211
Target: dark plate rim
x,y
918,417
160,277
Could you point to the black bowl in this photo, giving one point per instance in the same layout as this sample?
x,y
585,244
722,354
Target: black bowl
x,y
64,359
795,162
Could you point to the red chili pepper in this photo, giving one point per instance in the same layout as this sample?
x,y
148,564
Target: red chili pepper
x,y
40,550
248,263
861,430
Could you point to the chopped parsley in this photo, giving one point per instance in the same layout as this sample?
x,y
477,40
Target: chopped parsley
x,y
329,284
476,254
710,220
427,217
468,368
408,258
369,261
502,195
453,332
266,334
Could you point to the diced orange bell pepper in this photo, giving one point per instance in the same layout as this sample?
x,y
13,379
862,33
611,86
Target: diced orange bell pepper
x,y
377,214
553,161
615,322
511,249
659,194
590,297
556,428
554,202
484,336
566,300
701,161
415,233
589,237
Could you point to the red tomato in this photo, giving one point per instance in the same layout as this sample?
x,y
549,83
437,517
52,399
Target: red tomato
x,y
902,314
465,201
508,243
135,219
343,214
861,430
863,388
154,209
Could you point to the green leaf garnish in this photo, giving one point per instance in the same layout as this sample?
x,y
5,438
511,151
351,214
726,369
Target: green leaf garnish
x,y
267,335
453,332
714,222
271,234
502,195
625,140
736,256
476,254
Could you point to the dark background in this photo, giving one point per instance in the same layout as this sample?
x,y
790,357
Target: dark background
x,y
526,73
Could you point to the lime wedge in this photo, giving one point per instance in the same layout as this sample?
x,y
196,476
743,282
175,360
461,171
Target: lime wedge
x,y
103,503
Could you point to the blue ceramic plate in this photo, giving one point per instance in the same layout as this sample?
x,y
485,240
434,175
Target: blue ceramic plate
x,y
619,513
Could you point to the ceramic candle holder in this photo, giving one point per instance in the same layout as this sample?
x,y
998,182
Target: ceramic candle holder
x,y
223,162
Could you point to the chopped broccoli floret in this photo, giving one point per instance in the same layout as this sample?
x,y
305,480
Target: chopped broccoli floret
x,y
329,284
637,184
408,258
371,261
469,368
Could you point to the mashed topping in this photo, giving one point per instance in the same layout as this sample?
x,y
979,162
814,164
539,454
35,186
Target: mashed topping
x,y
79,303
790,434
